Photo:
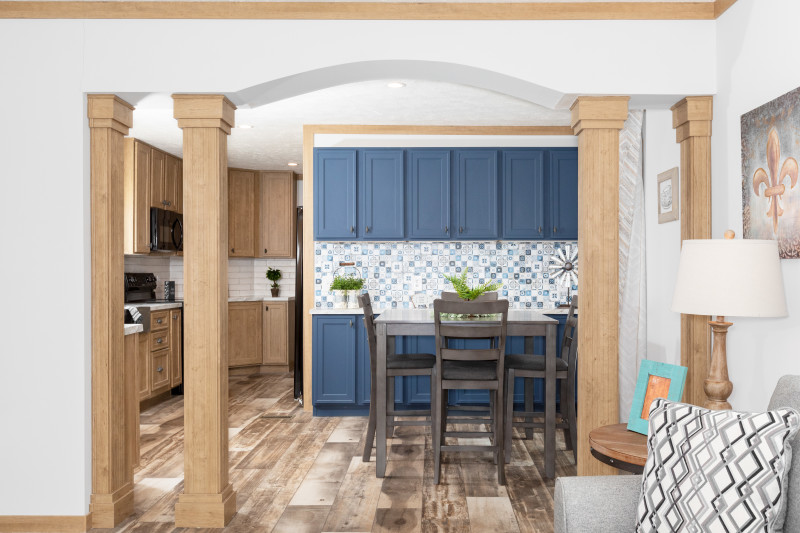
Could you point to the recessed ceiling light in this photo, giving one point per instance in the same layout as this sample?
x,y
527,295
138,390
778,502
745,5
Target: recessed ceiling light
x,y
245,126
292,163
396,85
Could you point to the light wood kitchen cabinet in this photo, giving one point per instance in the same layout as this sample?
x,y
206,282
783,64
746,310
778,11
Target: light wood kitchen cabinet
x,y
173,184
241,213
276,222
244,333
158,173
176,350
278,335
143,365
131,345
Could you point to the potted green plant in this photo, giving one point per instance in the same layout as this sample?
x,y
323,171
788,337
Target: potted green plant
x,y
345,291
354,288
465,292
274,274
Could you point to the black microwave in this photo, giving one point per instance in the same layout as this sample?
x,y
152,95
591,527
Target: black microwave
x,y
166,230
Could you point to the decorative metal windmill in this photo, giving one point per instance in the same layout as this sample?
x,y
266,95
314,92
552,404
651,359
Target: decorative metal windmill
x,y
564,268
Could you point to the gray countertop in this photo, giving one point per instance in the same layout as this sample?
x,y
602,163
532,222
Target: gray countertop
x,y
131,329
358,311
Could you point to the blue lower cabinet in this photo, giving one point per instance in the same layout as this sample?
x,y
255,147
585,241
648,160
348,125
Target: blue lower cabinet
x,y
334,360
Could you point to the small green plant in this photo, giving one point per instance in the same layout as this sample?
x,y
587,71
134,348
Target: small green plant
x,y
465,292
273,274
347,283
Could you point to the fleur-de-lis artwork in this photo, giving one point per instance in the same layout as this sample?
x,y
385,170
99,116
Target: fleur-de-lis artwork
x,y
774,187
770,152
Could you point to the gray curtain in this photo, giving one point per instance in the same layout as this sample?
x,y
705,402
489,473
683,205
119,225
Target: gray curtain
x,y
632,275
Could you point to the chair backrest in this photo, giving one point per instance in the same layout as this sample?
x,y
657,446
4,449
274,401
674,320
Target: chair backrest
x,y
453,296
569,342
787,394
478,328
365,302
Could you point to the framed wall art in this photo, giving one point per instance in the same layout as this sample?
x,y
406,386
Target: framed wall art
x,y
656,380
770,151
668,203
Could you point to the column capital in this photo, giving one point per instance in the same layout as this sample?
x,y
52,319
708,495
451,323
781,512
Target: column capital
x,y
110,111
599,112
691,117
204,111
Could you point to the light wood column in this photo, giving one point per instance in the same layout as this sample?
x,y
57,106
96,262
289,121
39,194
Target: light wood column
x,y
691,118
112,469
208,500
597,122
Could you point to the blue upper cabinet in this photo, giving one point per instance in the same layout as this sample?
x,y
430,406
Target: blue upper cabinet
x,y
523,195
563,192
475,195
380,194
428,194
335,194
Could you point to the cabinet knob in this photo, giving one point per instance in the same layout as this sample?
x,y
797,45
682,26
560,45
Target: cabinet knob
x,y
174,317
446,229
366,229
233,250
163,202
540,229
158,321
461,229
352,229
351,323
266,308
555,229
159,341
160,369
168,203
265,250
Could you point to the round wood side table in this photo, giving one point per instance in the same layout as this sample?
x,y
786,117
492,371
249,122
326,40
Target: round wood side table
x,y
614,445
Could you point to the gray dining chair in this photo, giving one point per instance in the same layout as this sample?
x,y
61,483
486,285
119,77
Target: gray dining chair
x,y
461,366
533,366
414,364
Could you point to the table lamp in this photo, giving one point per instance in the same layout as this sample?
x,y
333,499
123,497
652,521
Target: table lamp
x,y
727,277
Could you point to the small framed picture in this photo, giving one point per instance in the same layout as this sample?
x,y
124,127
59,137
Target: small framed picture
x,y
668,203
656,380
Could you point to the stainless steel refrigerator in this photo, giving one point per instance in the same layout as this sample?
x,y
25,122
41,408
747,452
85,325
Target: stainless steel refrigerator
x,y
298,311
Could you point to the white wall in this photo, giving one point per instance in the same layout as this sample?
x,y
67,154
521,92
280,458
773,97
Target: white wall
x,y
663,241
757,44
48,66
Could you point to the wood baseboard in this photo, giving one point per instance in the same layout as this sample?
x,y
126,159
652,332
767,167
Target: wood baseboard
x,y
205,510
46,524
155,400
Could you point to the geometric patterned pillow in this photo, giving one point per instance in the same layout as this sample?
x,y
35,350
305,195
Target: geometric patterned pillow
x,y
710,471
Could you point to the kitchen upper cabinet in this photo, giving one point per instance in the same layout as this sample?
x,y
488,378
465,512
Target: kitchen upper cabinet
x,y
523,195
275,209
563,194
380,194
475,195
428,194
334,360
241,213
158,171
136,196
173,184
335,194
244,333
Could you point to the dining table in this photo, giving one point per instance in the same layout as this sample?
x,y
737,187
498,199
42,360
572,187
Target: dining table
x,y
396,322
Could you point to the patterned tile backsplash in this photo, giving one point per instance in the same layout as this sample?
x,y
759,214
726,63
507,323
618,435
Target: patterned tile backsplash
x,y
396,272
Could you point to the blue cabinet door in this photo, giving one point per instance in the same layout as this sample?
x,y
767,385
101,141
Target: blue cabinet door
x,y
334,194
523,194
381,194
334,360
428,194
475,195
563,191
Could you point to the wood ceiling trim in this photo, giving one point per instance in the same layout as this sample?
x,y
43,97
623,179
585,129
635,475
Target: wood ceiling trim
x,y
263,10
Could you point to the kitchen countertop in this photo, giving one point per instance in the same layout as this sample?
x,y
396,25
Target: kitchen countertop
x,y
157,306
260,299
359,311
131,329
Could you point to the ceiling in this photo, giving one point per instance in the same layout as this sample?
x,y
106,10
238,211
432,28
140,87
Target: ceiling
x,y
277,134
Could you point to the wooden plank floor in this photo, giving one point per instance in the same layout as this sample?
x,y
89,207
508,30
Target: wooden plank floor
x,y
296,473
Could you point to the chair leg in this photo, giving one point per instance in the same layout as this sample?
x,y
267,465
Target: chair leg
x,y
509,414
499,444
370,438
529,406
563,411
390,405
436,426
571,413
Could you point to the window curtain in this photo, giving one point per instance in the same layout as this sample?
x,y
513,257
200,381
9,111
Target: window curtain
x,y
632,275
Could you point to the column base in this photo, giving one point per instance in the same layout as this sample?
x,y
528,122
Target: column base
x,y
205,510
109,510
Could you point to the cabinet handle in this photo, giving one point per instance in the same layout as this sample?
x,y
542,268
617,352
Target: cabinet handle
x,y
158,321
555,229
168,203
163,202
446,229
174,317
351,323
352,229
265,250
159,341
461,229
160,369
266,308
233,250
540,229
366,229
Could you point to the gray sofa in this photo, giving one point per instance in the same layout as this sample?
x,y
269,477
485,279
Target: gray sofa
x,y
608,503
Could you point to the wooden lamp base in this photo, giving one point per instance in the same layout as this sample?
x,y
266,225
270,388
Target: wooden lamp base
x,y
717,386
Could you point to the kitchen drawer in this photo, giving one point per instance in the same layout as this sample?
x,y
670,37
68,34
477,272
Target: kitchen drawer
x,y
159,320
159,373
159,339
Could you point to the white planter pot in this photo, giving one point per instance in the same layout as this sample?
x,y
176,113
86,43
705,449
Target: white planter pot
x,y
352,299
340,299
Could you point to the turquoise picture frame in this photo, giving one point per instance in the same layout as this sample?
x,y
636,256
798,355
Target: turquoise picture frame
x,y
677,376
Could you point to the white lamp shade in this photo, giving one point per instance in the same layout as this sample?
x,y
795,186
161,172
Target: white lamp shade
x,y
730,277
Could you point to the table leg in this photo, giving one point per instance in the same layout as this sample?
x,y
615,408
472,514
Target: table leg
x,y
390,383
550,404
529,391
380,381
